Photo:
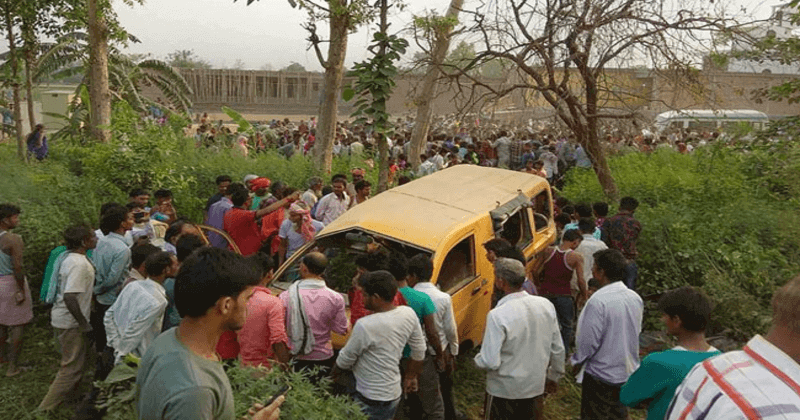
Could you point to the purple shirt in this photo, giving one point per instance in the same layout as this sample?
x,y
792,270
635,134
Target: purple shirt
x,y
326,312
216,218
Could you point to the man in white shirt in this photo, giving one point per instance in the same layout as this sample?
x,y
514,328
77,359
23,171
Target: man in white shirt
x,y
760,381
70,315
375,348
136,317
522,348
550,162
334,204
420,269
426,167
502,147
587,248
312,195
437,159
607,342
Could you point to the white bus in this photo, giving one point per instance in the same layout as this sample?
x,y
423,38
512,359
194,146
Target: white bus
x,y
708,119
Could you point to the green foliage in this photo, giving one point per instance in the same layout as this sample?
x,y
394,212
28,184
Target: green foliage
x,y
250,385
294,67
303,401
187,59
375,81
711,219
244,125
117,394
79,176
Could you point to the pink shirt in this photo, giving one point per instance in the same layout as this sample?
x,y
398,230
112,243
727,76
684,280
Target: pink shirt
x,y
325,310
264,327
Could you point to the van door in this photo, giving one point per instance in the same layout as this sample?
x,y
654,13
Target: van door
x,y
544,226
471,291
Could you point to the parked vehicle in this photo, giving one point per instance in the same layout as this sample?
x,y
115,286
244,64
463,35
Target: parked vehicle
x,y
709,119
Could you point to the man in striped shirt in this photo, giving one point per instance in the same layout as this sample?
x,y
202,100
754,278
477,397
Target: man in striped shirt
x,y
760,381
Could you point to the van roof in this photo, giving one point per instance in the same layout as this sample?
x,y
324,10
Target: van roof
x,y
425,211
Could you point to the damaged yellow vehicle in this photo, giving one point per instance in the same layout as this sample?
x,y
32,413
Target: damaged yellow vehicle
x,y
448,216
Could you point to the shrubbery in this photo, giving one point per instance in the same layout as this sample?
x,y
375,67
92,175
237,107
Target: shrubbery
x,y
722,219
70,186
304,401
710,219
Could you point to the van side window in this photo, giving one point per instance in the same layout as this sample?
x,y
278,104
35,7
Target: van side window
x,y
458,265
541,211
517,229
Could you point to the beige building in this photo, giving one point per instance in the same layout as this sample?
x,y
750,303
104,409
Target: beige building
x,y
641,90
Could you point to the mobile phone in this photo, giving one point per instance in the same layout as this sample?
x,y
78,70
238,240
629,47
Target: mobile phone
x,y
282,391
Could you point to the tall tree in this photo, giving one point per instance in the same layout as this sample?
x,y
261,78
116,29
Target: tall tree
x,y
439,30
10,11
343,16
560,51
374,84
37,19
99,92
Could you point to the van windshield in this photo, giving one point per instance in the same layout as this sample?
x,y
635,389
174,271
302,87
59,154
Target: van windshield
x,y
342,250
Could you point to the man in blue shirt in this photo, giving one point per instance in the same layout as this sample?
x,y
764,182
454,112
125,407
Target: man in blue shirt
x,y
607,344
112,259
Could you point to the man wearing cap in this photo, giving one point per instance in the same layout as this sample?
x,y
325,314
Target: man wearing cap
x,y
297,230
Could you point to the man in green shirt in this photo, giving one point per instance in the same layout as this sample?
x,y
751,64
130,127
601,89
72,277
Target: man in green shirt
x,y
181,376
429,398
685,313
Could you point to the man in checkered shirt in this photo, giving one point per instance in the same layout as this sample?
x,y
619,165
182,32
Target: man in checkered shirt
x,y
760,381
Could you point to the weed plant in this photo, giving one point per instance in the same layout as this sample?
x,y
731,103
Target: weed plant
x,y
710,219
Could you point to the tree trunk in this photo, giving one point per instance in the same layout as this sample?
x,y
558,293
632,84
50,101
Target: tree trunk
x,y
329,108
22,151
383,145
591,141
29,87
424,101
99,93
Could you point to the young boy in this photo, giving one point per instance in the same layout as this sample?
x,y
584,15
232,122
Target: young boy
x,y
685,312
600,210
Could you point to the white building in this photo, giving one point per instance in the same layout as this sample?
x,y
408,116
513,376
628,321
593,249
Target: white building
x,y
781,27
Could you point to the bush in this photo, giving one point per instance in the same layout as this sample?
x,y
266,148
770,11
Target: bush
x,y
79,176
304,401
708,221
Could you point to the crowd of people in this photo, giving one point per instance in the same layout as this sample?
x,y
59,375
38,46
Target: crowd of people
x,y
541,147
150,284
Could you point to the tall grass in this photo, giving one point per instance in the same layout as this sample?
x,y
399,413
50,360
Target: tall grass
x,y
709,220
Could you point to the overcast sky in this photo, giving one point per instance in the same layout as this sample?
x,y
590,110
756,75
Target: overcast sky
x,y
266,32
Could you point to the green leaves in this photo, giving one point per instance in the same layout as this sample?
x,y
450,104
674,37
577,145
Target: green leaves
x,y
375,81
718,219
244,125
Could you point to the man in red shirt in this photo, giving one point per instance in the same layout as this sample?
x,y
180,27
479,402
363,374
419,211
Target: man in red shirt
x,y
240,223
263,337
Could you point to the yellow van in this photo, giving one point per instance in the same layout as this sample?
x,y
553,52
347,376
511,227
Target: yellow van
x,y
448,215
